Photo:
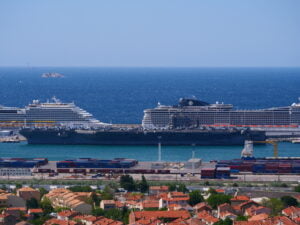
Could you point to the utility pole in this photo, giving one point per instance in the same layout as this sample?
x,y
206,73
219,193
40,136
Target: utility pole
x,y
159,148
193,160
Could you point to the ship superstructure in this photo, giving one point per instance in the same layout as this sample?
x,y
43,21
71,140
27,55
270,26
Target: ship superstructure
x,y
50,113
11,116
191,113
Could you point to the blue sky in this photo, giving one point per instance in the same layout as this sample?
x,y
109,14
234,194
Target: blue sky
x,y
162,33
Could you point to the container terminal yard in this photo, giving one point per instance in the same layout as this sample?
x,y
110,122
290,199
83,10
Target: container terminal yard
x,y
246,168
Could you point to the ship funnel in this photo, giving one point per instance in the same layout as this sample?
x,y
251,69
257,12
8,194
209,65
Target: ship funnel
x,y
248,149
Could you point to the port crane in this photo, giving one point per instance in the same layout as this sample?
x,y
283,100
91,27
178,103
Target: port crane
x,y
248,149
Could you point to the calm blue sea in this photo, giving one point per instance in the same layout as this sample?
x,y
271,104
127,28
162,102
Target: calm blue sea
x,y
119,95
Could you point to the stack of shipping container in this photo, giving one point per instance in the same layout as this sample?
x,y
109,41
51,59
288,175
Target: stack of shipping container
x,y
262,165
22,162
97,163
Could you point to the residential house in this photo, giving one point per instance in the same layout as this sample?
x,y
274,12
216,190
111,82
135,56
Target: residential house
x,y
169,216
15,211
202,206
33,213
291,212
61,197
259,217
27,193
239,199
244,206
278,220
67,215
226,210
178,198
107,204
154,190
60,222
207,218
150,204
6,219
256,210
11,200
93,220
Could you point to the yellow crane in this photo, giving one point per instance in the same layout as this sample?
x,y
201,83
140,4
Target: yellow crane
x,y
274,143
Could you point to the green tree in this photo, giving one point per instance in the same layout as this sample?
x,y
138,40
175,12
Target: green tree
x,y
125,215
242,218
81,189
43,191
32,203
114,214
143,185
46,206
40,220
172,187
127,182
212,191
217,199
206,183
227,221
95,198
182,188
297,188
289,201
107,193
195,197
274,204
98,212
18,185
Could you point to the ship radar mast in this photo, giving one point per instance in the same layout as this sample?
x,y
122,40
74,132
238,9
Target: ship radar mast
x,y
55,100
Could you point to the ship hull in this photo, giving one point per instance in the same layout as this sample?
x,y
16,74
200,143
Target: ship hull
x,y
74,137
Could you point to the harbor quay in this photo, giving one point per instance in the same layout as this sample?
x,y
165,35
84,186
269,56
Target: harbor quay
x,y
270,169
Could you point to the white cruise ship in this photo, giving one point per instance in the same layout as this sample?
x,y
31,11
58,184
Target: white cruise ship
x,y
191,112
51,113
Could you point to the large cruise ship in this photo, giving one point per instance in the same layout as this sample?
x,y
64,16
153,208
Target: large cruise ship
x,y
193,113
48,114
11,117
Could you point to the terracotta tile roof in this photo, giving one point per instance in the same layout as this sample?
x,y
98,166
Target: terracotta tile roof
x,y
148,222
101,220
159,188
133,196
202,205
150,204
226,214
220,190
161,214
16,209
259,217
207,217
177,193
248,202
291,211
89,218
177,199
282,220
120,204
60,222
67,213
27,189
35,211
240,198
